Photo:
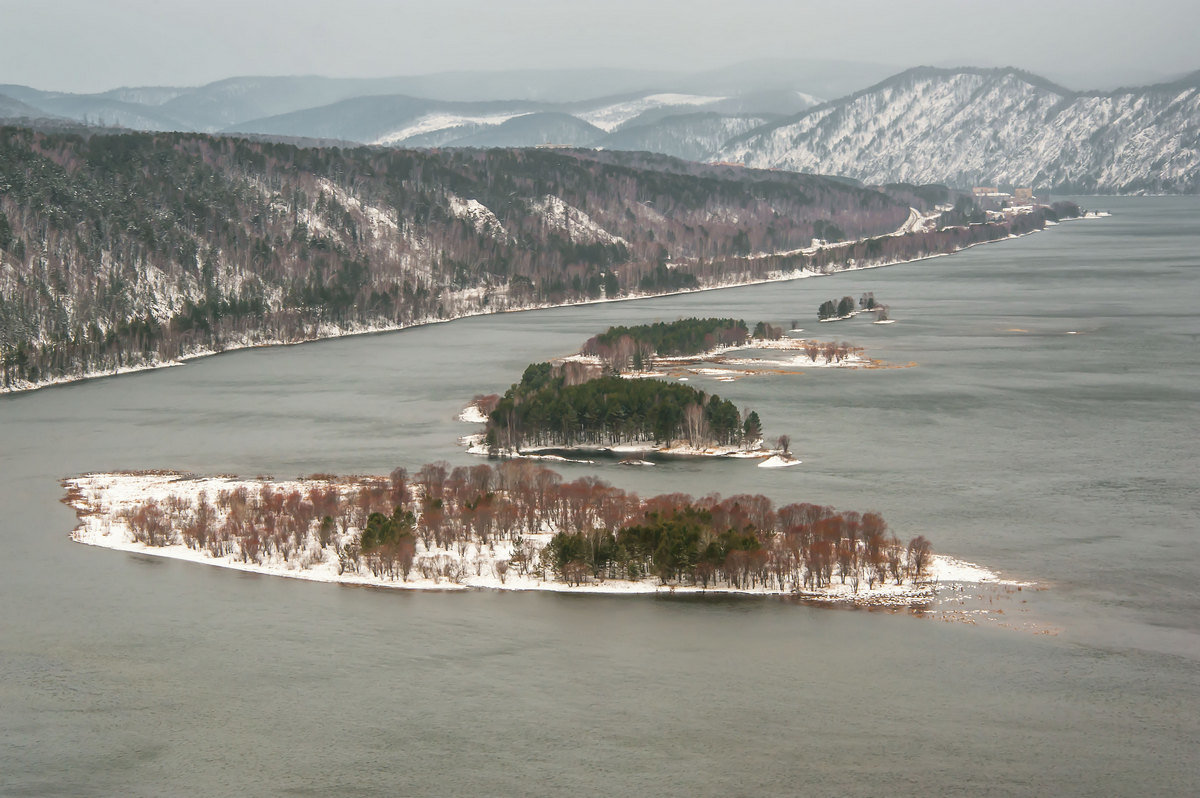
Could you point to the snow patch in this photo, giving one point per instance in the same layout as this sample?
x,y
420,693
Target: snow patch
x,y
480,216
580,227
610,117
779,461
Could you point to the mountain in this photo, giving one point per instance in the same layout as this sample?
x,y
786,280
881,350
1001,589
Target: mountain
x,y
118,250
240,102
693,137
961,127
989,127
662,122
410,121
12,109
532,130
392,119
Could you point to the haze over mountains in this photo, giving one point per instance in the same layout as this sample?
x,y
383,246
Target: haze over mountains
x,y
961,127
768,85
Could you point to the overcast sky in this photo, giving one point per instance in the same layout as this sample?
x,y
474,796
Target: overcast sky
x,y
92,45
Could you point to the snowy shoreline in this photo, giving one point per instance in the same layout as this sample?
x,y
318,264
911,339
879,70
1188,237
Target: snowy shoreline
x,y
771,458
104,501
330,332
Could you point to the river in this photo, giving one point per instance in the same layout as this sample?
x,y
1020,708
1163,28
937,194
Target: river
x,y
1047,431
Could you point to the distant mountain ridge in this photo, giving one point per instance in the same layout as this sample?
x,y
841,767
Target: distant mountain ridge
x,y
993,126
963,126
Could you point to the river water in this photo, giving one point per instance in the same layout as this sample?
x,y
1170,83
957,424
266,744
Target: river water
x,y
1047,430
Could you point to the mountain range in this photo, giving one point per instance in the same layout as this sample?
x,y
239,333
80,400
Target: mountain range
x,y
962,127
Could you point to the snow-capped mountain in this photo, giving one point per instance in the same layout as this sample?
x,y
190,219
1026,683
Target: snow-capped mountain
x,y
963,127
993,127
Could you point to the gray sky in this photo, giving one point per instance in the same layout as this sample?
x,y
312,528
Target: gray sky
x,y
91,45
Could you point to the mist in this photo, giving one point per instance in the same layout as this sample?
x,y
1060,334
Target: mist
x,y
83,46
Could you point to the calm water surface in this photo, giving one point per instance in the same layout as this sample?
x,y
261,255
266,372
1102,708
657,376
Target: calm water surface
x,y
1066,459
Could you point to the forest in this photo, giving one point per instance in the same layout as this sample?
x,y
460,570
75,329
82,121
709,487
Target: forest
x,y
568,405
120,250
517,520
124,249
621,347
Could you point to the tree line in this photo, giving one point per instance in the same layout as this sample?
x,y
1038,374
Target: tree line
x,y
621,347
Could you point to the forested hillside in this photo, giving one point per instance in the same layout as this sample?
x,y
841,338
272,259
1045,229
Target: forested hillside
x,y
988,127
124,250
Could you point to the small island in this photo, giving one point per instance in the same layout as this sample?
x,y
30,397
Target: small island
x,y
831,310
613,397
594,402
513,526
572,406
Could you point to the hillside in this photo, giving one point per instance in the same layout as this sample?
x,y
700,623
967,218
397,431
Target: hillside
x,y
993,127
118,251
694,137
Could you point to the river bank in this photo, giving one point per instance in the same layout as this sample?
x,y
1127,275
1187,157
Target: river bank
x,y
327,330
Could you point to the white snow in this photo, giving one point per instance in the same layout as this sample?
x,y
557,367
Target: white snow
x,y
580,227
610,117
433,122
986,128
471,414
102,502
480,216
458,304
779,461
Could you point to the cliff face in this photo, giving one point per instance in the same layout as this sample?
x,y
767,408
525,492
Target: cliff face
x,y
989,127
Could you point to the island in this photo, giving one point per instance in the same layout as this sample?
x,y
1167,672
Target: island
x,y
512,526
609,400
613,398
840,310
566,406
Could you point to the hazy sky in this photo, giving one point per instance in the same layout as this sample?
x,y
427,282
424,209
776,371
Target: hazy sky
x,y
91,45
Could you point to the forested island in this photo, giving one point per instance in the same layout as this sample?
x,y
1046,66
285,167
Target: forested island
x,y
620,348
838,310
562,406
515,525
610,397
594,401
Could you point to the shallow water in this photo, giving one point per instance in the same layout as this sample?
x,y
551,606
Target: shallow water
x,y
1065,459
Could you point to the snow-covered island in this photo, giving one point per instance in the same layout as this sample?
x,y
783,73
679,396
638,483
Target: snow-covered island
x,y
515,526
